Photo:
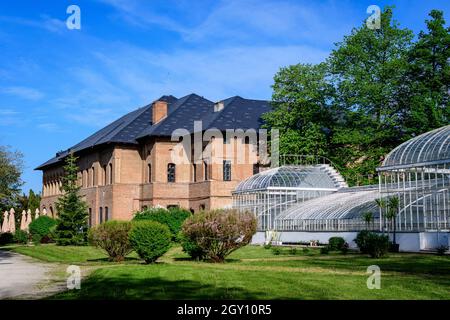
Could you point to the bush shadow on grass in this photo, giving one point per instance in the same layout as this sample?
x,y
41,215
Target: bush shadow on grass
x,y
106,259
124,287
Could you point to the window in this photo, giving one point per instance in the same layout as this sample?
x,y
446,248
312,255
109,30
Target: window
x,y
255,168
100,215
110,174
206,170
104,176
171,172
226,170
195,172
149,176
94,181
90,217
106,213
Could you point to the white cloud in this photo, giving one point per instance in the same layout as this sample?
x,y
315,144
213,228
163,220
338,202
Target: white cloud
x,y
45,22
23,92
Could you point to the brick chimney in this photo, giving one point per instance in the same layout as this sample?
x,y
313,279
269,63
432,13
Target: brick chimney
x,y
159,111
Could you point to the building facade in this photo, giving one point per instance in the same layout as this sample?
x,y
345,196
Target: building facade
x,y
135,162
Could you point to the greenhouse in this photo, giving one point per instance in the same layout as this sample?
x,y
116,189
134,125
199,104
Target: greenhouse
x,y
302,201
271,192
417,172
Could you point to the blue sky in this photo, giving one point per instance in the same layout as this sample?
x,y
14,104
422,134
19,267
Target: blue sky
x,y
57,85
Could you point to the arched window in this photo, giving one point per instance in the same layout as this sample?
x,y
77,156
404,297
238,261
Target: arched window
x,y
206,170
51,212
171,172
110,173
106,214
94,180
226,170
104,175
100,215
90,222
149,173
194,172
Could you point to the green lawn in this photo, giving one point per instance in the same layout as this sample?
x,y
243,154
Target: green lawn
x,y
253,273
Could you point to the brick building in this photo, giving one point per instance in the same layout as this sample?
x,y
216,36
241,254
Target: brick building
x,y
129,164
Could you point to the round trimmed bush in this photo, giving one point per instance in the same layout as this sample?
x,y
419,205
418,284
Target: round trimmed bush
x,y
150,239
112,236
41,229
336,243
173,218
21,236
6,238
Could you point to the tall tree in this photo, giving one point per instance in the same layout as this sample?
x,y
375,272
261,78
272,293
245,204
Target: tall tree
x,y
31,201
429,77
368,69
72,210
11,166
300,102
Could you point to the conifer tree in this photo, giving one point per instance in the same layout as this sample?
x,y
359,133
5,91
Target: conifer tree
x,y
72,210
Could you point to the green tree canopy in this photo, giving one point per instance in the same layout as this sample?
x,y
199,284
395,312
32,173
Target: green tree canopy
x,y
11,166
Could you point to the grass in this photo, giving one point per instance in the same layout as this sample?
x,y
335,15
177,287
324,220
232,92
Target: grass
x,y
253,273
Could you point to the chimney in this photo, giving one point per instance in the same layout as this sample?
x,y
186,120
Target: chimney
x,y
159,111
218,106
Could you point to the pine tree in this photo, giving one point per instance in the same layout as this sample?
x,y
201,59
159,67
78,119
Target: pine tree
x,y
72,223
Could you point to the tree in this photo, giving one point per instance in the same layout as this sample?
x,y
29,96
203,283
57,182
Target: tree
x,y
368,218
392,213
72,210
301,112
429,77
31,201
368,69
11,166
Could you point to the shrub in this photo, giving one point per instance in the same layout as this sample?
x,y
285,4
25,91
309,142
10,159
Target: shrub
x,y
173,218
293,251
276,251
220,232
6,238
377,245
361,240
441,250
324,250
336,243
306,250
112,236
150,239
21,236
345,248
41,229
267,246
190,247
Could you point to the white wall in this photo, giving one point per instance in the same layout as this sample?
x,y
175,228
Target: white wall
x,y
409,241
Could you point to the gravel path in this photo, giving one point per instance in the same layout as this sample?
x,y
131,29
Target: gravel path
x,y
22,277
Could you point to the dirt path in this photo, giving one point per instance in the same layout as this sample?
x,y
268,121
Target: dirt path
x,y
22,277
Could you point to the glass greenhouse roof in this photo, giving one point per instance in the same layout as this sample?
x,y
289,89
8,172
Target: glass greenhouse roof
x,y
339,205
431,147
300,177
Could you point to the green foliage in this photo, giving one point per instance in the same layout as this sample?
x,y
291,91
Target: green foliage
x,y
220,232
31,201
306,251
325,250
276,251
293,250
6,238
190,247
21,237
367,217
73,215
11,167
173,218
41,229
345,248
268,246
376,90
361,240
441,250
112,236
336,243
377,245
150,239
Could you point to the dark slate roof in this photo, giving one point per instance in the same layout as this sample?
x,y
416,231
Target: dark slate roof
x,y
238,113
